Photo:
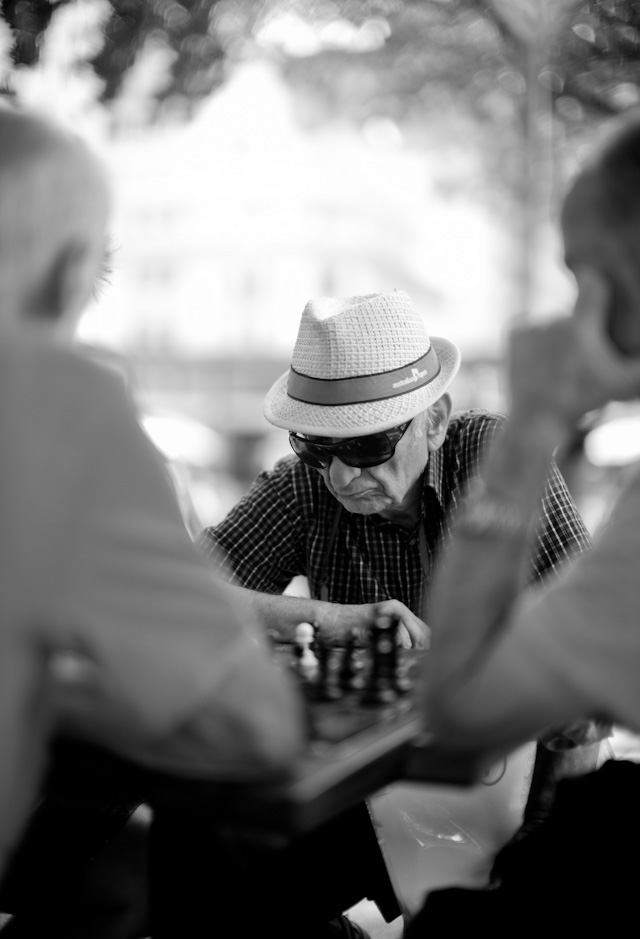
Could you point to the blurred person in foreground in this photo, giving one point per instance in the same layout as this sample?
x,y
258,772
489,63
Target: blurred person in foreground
x,y
113,631
507,664
364,505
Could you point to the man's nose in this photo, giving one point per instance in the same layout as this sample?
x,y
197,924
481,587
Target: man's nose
x,y
340,474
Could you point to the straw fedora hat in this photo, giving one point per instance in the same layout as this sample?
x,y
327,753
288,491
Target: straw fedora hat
x,y
360,365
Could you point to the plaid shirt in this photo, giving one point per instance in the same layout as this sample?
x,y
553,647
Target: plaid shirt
x,y
285,526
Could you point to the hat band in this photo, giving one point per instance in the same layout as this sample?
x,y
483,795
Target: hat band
x,y
363,388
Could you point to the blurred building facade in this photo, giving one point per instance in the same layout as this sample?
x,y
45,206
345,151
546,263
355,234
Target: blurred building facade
x,y
225,227
226,224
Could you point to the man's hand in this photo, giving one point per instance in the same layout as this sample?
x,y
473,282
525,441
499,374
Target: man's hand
x,y
280,614
569,366
413,633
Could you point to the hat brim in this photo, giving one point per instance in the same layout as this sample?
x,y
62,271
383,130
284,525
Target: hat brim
x,y
356,420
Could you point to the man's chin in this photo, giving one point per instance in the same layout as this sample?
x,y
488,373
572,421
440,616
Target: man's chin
x,y
363,505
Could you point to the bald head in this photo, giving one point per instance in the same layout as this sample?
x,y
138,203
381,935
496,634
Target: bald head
x,y
53,212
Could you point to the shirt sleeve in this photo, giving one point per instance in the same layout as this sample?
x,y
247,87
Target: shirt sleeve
x,y
260,544
582,633
561,534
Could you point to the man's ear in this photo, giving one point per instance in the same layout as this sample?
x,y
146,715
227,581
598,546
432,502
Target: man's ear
x,y
440,412
62,294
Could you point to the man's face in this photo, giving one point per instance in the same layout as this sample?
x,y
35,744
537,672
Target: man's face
x,y
391,488
615,252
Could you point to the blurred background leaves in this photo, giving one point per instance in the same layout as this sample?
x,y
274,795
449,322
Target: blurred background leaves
x,y
470,63
403,55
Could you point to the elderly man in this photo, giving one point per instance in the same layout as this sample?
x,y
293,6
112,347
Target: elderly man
x,y
507,665
113,631
364,506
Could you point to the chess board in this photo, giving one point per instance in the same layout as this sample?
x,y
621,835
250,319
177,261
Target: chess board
x,y
339,718
357,745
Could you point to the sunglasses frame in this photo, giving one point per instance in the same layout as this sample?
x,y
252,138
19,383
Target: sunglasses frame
x,y
319,455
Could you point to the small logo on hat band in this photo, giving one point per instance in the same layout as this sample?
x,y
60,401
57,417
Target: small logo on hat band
x,y
415,375
364,388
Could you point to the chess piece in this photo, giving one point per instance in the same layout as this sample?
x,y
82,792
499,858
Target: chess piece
x,y
328,687
403,683
350,676
380,686
307,661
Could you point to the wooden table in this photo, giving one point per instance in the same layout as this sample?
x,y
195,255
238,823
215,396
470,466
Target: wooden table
x,y
304,847
354,750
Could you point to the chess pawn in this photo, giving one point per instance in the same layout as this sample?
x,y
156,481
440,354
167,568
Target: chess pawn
x,y
307,666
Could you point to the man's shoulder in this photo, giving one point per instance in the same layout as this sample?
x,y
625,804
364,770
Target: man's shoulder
x,y
289,470
52,404
470,435
40,363
475,421
57,394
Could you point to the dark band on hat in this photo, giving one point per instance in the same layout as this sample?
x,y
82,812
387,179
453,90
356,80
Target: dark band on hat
x,y
364,388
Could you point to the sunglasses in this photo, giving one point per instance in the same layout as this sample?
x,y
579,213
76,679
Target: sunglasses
x,y
361,452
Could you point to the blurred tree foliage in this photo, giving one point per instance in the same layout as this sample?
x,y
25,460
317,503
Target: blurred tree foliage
x,y
473,64
394,57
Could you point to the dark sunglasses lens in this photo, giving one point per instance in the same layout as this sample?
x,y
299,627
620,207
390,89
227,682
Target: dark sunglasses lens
x,y
306,451
365,451
361,452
